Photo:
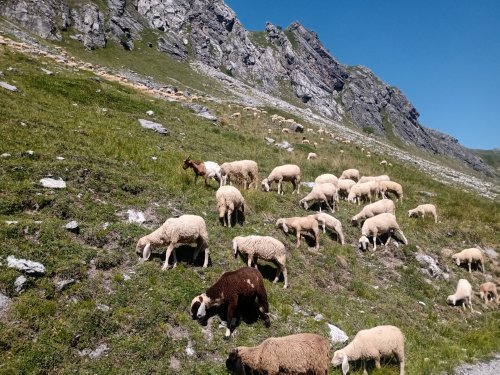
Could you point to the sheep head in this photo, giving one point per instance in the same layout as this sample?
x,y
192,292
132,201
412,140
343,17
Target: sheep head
x,y
234,363
363,243
456,258
187,163
411,213
303,203
281,224
143,248
451,300
265,185
340,358
354,221
199,306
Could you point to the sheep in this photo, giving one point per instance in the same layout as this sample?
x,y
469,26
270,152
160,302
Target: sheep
x,y
487,290
246,169
391,187
373,209
374,178
373,343
352,174
206,169
321,193
300,224
263,247
469,255
244,284
312,156
287,172
305,141
424,209
383,162
285,130
303,353
229,200
462,293
326,178
377,225
184,229
345,187
365,190
328,221
236,115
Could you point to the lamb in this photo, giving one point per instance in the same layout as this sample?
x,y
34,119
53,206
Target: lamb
x,y
322,193
184,229
206,169
244,284
487,290
312,156
462,293
470,256
391,187
373,343
377,225
366,190
287,172
229,200
303,353
326,178
374,178
345,187
328,221
300,224
263,247
373,209
352,174
246,169
422,210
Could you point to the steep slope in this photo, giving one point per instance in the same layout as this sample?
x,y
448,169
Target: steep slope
x,y
209,32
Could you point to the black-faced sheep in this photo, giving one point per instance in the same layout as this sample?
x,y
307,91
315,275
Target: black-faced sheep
x,y
287,172
462,293
303,353
377,225
244,284
299,224
229,200
422,210
471,255
373,343
185,229
263,247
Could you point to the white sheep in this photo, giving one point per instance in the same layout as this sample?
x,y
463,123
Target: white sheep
x,y
287,172
312,156
462,293
391,187
303,353
300,224
422,210
374,178
328,221
350,174
471,255
373,209
345,186
366,190
377,225
184,229
229,200
247,170
326,178
263,247
373,343
321,193
487,290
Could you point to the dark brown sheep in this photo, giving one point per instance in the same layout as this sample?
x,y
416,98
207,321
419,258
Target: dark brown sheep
x,y
244,284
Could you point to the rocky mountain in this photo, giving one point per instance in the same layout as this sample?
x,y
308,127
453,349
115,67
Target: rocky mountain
x,y
274,60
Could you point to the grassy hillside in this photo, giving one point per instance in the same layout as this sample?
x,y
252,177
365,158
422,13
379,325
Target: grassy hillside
x,y
490,157
108,168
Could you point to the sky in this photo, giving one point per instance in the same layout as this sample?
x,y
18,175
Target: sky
x,y
444,55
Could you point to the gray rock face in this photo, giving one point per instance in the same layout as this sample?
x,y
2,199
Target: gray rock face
x,y
20,284
4,304
429,265
26,266
336,334
202,111
159,128
89,21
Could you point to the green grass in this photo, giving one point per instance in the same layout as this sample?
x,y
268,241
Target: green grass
x,y
291,37
108,169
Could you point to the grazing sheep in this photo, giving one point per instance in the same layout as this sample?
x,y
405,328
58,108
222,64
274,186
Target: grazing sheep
x,y
366,191
303,353
462,293
305,141
374,178
326,178
236,115
300,224
229,200
206,169
422,210
373,209
471,255
312,156
247,170
383,162
487,290
232,288
373,343
377,225
328,221
322,193
263,247
351,174
285,130
287,172
391,187
345,187
184,229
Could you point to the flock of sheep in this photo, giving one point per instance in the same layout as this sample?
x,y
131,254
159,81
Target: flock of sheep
x,y
301,353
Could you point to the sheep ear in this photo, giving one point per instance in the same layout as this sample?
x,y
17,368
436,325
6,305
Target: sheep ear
x,y
146,253
345,365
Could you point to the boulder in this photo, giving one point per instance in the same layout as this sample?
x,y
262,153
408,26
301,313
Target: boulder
x,y
27,266
159,128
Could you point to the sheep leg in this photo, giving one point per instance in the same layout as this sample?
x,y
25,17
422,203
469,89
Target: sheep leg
x,y
316,237
364,368
174,253
388,239
285,276
470,263
340,235
374,241
278,273
403,236
229,215
280,190
323,225
167,257
377,362
249,260
263,306
231,308
255,262
203,245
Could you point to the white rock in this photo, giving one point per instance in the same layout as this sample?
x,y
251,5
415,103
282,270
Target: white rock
x,y
422,303
103,307
27,266
29,152
59,158
6,86
126,277
94,354
336,334
4,303
318,317
154,158
150,113
159,128
5,155
48,72
136,216
189,349
52,183
11,222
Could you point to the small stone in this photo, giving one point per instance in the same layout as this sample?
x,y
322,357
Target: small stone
x,y
48,72
20,284
103,307
94,354
4,303
6,86
59,158
104,109
136,216
153,126
5,155
52,183
269,140
72,226
150,113
154,158
189,349
318,317
126,277
29,152
61,285
105,225
26,266
422,303
336,334
11,222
